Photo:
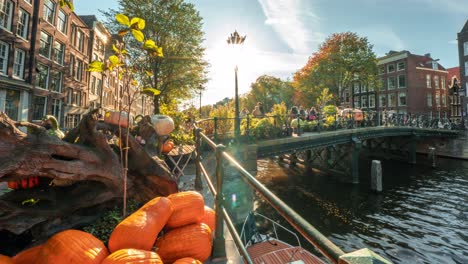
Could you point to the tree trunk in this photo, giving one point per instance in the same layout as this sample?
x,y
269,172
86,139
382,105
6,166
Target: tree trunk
x,y
78,176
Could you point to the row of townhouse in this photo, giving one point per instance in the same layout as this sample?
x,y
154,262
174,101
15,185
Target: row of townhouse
x,y
45,50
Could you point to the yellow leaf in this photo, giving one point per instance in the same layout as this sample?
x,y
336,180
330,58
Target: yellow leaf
x,y
149,74
152,91
138,35
137,23
115,49
123,19
160,52
114,60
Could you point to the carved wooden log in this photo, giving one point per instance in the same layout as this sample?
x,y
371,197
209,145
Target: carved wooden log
x,y
84,171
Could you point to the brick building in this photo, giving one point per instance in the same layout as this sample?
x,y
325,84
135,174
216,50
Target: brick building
x,y
463,58
455,96
413,84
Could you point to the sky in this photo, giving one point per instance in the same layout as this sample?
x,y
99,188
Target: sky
x,y
283,34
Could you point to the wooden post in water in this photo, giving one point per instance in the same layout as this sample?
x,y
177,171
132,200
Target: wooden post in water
x,y
431,155
376,176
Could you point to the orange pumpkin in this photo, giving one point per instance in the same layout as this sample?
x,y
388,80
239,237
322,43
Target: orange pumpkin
x,y
168,146
192,241
27,256
187,261
209,218
140,229
189,208
123,256
5,260
72,246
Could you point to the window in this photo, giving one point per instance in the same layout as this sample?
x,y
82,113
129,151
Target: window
x,y
442,83
77,98
371,101
46,43
356,87
444,100
48,13
356,102
72,121
79,40
69,96
72,65
382,70
401,66
18,64
364,101
401,81
436,82
59,51
429,99
382,100
363,88
6,9
62,22
79,70
402,98
56,107
465,48
99,86
93,85
23,24
56,82
391,68
428,81
391,83
466,68
391,99
39,110
12,104
42,76
371,88
437,99
382,84
3,57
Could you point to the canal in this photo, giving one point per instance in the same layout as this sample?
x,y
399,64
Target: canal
x,y
420,217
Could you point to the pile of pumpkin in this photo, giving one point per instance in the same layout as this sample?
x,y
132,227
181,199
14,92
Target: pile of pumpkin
x,y
187,226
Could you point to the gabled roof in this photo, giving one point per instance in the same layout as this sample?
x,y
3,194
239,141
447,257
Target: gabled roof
x,y
465,28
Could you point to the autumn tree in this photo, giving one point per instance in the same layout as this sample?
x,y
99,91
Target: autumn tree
x,y
176,26
269,91
342,59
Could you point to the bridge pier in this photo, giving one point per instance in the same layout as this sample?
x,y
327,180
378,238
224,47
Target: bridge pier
x,y
357,145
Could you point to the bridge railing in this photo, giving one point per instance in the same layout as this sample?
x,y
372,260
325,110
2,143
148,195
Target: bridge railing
x,y
223,128
310,233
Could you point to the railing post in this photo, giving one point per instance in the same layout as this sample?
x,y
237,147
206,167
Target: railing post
x,y
219,247
215,129
198,182
248,127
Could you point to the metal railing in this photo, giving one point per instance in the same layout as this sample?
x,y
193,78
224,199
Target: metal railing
x,y
310,233
219,127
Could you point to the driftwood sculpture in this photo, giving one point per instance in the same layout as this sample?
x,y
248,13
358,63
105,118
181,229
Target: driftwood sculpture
x,y
79,175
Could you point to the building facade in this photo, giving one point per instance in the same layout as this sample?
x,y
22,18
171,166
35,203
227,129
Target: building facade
x,y
455,96
45,50
463,59
412,84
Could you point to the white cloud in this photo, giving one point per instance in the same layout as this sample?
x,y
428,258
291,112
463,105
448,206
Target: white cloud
x,y
295,22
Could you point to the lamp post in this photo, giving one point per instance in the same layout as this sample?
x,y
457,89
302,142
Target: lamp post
x,y
234,39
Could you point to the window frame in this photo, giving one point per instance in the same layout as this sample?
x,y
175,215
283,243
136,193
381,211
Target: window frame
x,y
39,74
44,107
364,103
62,22
371,99
401,68
429,103
47,43
4,58
21,63
388,68
62,51
428,81
392,100
23,25
465,48
404,78
389,82
50,11
399,98
436,82
8,13
385,103
53,81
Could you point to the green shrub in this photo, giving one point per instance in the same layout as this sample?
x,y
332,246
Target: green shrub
x,y
264,129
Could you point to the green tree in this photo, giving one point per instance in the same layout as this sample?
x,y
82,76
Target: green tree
x,y
324,98
341,60
269,91
176,26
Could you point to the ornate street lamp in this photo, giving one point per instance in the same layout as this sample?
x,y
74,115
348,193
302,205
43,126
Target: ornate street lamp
x,y
236,39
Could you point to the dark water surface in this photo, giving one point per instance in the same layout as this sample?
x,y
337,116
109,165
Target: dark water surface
x,y
420,217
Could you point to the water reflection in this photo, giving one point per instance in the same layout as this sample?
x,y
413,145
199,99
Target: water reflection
x,y
421,217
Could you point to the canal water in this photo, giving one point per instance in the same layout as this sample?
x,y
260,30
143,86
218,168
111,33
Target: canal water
x,y
420,217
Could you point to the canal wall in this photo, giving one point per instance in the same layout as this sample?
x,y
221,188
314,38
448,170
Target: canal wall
x,y
456,148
